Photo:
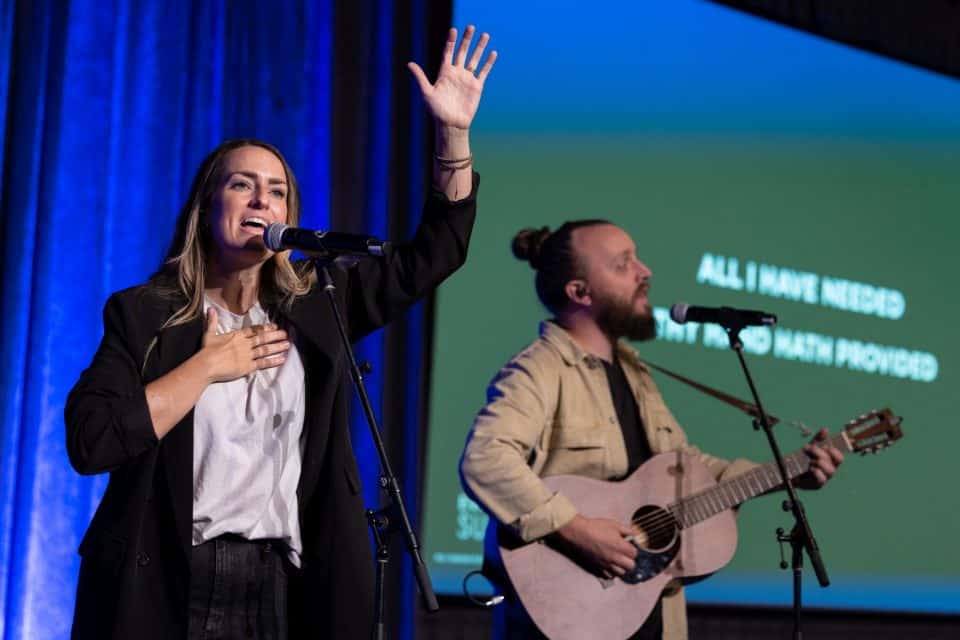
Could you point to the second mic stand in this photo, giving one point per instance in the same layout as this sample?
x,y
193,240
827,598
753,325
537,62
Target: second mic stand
x,y
801,536
393,517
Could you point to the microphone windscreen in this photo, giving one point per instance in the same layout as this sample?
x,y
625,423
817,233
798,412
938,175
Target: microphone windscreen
x,y
273,236
678,312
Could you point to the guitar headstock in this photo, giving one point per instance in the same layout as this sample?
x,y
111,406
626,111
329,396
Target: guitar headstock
x,y
873,431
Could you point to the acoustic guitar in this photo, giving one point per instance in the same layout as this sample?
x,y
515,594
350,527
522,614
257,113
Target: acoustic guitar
x,y
685,529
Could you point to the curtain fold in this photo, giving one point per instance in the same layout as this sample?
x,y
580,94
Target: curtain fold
x,y
382,145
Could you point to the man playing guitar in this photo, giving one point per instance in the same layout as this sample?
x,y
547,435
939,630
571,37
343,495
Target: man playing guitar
x,y
579,401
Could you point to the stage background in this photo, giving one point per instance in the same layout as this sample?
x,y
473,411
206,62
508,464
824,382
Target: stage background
x,y
712,136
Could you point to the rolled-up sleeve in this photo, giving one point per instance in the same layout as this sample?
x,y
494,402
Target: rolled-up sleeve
x,y
495,467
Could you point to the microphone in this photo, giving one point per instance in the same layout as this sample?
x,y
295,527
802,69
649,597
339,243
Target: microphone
x,y
725,316
278,236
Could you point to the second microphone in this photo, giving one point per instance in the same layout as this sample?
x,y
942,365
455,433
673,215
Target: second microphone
x,y
724,316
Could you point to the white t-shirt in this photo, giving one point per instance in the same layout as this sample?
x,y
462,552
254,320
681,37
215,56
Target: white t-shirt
x,y
247,448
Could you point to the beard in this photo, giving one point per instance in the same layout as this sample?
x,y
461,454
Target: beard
x,y
619,319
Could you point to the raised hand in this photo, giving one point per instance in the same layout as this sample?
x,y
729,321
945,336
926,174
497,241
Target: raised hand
x,y
453,99
235,354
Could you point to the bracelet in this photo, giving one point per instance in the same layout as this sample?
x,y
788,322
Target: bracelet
x,y
454,163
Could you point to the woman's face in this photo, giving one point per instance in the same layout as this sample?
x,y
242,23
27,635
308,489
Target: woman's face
x,y
251,194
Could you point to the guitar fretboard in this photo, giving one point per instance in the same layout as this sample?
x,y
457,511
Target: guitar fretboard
x,y
728,494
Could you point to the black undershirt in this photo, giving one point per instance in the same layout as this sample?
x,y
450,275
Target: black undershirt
x,y
638,449
638,452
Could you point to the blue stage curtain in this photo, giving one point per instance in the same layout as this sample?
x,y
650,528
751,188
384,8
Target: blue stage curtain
x,y
381,176
108,108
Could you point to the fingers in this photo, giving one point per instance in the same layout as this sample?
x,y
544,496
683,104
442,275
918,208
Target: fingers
x,y
268,337
456,55
819,478
617,562
266,345
818,439
270,345
822,462
485,71
836,456
420,77
258,330
464,45
616,566
270,354
614,570
620,550
823,454
448,47
626,550
477,54
624,563
824,466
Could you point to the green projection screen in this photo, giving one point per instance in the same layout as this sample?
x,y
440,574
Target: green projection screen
x,y
755,167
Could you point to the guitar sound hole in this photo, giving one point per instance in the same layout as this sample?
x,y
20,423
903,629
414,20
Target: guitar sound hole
x,y
656,528
657,541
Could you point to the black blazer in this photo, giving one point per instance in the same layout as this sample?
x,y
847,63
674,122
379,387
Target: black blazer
x,y
134,573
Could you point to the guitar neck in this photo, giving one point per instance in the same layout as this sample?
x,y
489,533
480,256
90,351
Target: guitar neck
x,y
730,493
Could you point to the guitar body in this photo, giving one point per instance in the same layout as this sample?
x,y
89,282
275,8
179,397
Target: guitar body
x,y
568,602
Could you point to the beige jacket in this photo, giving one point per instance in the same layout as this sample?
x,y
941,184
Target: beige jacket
x,y
550,412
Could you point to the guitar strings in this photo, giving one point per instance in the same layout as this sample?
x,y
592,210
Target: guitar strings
x,y
666,519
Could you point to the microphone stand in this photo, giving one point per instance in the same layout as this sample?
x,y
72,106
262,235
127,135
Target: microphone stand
x,y
394,516
801,536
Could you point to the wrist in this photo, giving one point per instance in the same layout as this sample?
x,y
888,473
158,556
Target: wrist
x,y
203,362
452,142
453,164
570,532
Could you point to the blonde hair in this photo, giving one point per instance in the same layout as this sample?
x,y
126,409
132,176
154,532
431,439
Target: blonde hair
x,y
183,273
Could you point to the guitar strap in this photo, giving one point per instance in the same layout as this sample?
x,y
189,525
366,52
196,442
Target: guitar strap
x,y
748,408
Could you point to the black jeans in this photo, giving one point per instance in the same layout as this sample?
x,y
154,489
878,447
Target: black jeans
x,y
238,589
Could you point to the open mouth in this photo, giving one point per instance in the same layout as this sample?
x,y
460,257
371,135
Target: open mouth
x,y
257,223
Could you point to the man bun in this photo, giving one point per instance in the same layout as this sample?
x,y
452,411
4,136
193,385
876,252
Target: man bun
x,y
528,243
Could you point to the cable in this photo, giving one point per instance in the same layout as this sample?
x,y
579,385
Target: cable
x,y
487,602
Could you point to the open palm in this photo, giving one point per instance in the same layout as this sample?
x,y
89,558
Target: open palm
x,y
453,99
